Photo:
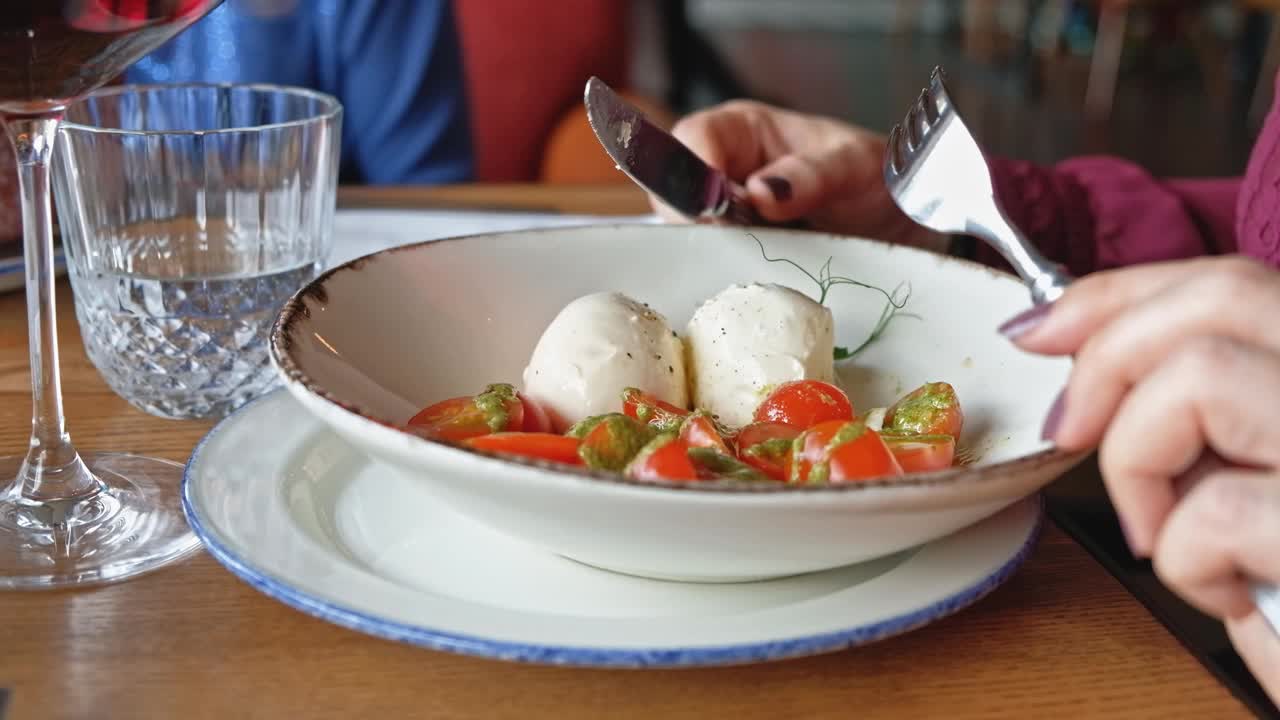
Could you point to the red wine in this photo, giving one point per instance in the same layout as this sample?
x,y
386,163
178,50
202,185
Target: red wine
x,y
53,51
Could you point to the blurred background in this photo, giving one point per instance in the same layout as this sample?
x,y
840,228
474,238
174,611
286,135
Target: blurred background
x,y
1177,85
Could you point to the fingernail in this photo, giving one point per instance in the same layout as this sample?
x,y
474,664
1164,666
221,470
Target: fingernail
x,y
1054,418
780,187
1025,321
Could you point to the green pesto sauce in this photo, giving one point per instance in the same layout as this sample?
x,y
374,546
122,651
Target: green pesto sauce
x,y
772,449
725,466
848,432
580,429
665,422
819,473
644,413
797,449
493,404
625,438
922,409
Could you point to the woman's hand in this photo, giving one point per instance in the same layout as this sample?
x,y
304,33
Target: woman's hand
x,y
798,166
1177,378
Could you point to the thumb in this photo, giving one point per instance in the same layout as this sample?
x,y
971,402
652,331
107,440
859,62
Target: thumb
x,y
798,184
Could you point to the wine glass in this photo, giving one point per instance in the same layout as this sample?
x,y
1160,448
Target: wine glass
x,y
70,519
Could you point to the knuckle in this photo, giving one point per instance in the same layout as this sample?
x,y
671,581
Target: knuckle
x,y
1101,361
1235,281
1224,504
1205,357
1244,268
742,106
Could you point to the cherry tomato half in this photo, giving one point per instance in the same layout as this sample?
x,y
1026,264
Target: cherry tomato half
x,y
536,419
542,445
661,415
699,430
922,453
497,409
804,403
766,446
931,409
841,451
613,441
665,458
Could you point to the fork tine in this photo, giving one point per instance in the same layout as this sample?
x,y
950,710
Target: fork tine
x,y
897,157
924,113
929,106
913,130
938,89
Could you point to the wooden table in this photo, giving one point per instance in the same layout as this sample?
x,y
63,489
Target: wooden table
x,y
1061,639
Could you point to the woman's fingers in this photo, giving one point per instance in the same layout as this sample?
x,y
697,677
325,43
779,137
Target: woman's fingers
x,y
798,184
792,165
1234,299
1213,394
1093,301
1218,538
1259,645
731,137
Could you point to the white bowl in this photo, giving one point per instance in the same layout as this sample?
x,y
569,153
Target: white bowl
x,y
368,344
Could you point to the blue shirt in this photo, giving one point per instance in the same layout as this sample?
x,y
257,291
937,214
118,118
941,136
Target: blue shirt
x,y
395,66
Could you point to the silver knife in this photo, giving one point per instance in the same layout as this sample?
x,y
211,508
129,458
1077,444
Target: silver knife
x,y
662,165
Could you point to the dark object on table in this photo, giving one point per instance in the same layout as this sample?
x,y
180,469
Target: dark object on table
x,y
1078,503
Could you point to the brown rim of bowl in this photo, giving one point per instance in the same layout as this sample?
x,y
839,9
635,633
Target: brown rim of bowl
x,y
295,310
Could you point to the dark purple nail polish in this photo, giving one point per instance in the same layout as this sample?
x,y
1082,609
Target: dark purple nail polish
x,y
1054,418
1025,321
780,187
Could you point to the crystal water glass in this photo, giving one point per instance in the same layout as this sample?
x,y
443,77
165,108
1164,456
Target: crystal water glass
x,y
189,214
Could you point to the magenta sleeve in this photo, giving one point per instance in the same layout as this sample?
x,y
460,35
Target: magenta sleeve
x,y
1095,213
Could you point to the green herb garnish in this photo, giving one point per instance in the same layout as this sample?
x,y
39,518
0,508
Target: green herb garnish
x,y
825,281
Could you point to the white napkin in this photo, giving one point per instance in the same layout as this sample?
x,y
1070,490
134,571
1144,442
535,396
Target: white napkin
x,y
359,232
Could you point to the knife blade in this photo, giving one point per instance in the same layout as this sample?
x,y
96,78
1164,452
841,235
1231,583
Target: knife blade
x,y
661,164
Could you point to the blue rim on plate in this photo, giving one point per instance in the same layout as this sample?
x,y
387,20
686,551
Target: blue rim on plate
x,y
12,269
580,656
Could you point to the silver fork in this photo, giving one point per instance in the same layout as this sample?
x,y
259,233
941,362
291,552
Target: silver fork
x,y
937,174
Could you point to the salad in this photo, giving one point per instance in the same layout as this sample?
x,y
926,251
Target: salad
x,y
803,432
747,392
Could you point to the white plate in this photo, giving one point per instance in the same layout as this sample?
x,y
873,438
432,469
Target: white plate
x,y
298,514
366,346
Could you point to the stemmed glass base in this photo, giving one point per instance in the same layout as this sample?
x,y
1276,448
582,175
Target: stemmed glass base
x,y
130,523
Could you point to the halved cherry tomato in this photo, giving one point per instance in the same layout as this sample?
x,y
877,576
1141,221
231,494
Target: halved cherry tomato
x,y
661,415
804,403
497,409
766,446
922,453
613,441
699,430
840,451
931,409
536,418
544,445
664,458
